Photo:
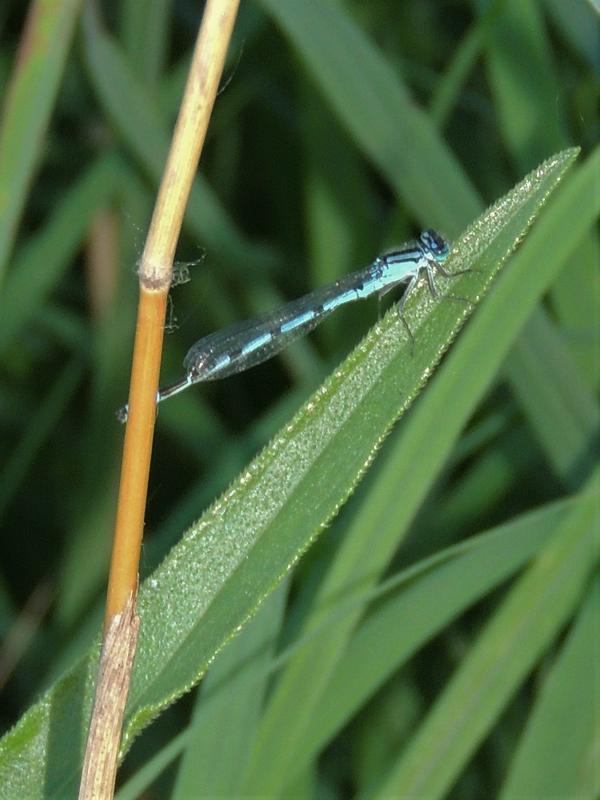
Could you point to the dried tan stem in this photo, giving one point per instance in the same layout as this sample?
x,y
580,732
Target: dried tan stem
x,y
121,623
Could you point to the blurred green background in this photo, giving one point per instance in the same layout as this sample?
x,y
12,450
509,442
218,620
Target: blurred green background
x,y
311,167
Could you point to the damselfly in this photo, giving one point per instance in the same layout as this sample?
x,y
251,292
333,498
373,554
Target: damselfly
x,y
245,344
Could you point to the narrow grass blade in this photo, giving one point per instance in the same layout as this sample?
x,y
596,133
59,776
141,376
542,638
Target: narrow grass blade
x,y
463,60
229,706
526,91
371,101
428,596
576,300
42,262
28,106
534,612
145,31
569,701
38,428
562,410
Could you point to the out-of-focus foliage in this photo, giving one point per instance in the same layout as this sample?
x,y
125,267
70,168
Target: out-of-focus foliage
x,y
447,614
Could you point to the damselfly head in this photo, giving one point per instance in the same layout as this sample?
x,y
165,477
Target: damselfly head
x,y
435,243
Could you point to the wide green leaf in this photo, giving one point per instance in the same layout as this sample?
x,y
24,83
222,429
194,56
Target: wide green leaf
x,y
413,464
412,607
388,127
225,565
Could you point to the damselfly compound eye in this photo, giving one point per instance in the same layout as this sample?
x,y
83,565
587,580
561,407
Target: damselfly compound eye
x,y
435,243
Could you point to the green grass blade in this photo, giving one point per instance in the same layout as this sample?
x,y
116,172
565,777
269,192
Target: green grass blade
x,y
463,60
525,91
578,24
52,407
43,261
560,408
432,593
534,612
28,106
215,578
576,300
379,113
569,701
152,768
229,707
145,30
